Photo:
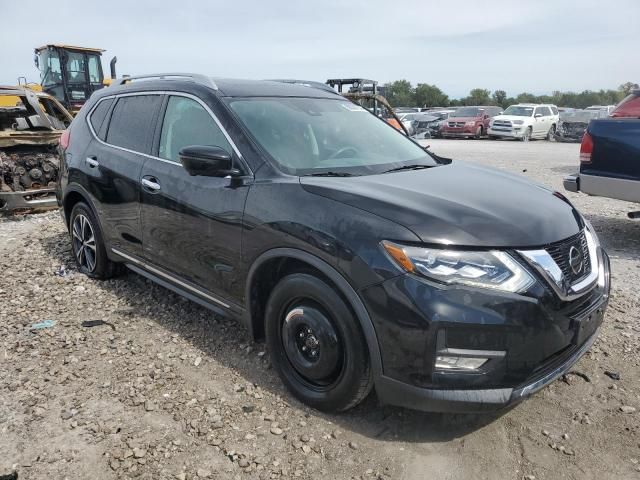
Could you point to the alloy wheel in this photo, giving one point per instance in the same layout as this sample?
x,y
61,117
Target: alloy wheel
x,y
84,242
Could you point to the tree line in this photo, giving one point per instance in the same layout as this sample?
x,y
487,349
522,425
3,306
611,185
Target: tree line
x,y
401,93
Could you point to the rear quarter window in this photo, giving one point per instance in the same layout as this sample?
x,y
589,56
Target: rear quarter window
x,y
98,116
133,121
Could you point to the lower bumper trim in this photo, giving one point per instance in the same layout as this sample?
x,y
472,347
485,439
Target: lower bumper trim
x,y
469,401
572,183
40,198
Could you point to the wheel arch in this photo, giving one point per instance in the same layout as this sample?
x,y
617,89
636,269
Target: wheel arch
x,y
264,272
73,196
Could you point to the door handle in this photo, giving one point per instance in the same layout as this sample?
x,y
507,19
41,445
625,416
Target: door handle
x,y
150,184
92,162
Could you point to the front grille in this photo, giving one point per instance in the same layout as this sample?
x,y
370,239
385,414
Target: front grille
x,y
560,252
456,124
501,123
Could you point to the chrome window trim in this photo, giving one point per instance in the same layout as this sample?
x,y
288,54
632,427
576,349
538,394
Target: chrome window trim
x,y
162,92
544,264
172,278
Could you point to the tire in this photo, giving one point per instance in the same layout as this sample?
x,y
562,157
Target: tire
x,y
478,134
87,244
527,135
551,134
316,344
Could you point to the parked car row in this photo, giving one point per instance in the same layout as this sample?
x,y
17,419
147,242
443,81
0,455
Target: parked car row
x,y
524,121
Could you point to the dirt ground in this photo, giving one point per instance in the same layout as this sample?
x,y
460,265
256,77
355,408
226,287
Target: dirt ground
x,y
165,389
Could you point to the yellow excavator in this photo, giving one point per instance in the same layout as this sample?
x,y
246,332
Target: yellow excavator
x,y
68,73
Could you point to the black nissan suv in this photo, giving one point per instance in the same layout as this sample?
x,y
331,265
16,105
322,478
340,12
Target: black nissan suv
x,y
362,259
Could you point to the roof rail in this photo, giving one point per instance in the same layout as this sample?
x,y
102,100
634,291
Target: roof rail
x,y
194,77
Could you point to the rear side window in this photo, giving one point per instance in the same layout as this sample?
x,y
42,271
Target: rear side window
x,y
554,110
98,117
546,111
629,107
133,121
186,122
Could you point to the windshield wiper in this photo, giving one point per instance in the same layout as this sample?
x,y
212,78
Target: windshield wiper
x,y
408,167
330,174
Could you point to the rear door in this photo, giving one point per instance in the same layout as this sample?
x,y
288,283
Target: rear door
x,y
192,224
123,130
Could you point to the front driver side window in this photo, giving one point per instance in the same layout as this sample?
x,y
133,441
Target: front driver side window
x,y
186,123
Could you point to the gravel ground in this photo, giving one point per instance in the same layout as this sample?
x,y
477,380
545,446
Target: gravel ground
x,y
165,389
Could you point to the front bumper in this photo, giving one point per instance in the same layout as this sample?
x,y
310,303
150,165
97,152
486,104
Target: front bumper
x,y
506,133
541,336
29,199
471,401
457,134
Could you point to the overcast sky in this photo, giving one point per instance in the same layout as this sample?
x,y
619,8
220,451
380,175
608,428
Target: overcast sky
x,y
536,46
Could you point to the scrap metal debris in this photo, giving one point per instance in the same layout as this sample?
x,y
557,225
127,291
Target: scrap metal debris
x,y
612,375
42,325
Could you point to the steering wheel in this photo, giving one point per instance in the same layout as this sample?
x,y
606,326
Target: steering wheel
x,y
339,153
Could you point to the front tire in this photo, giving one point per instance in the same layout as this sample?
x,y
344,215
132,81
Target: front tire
x,y
478,134
316,344
551,135
87,244
527,135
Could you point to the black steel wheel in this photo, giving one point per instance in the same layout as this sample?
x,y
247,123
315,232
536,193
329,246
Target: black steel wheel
x,y
316,344
87,243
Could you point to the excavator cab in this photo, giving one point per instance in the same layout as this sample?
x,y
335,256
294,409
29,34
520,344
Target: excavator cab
x,y
71,74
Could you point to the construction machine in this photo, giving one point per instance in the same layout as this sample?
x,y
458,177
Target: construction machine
x,y
70,73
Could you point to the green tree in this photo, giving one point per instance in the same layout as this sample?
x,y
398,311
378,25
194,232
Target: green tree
x,y
525,97
478,96
500,97
430,96
400,93
627,87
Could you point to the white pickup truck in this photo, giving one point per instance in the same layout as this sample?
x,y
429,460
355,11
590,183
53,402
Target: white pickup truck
x,y
525,121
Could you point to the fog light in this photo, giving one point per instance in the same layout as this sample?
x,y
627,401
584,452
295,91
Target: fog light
x,y
459,363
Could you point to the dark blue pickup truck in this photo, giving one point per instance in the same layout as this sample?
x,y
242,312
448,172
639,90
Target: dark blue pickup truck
x,y
610,155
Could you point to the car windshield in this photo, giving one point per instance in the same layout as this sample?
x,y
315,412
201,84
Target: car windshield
x,y
308,136
517,111
467,112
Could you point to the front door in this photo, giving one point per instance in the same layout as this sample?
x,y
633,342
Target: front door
x,y
192,224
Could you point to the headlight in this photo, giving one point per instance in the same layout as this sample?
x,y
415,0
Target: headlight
x,y
518,122
488,269
470,124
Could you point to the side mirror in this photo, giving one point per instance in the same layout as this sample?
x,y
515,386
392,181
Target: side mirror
x,y
207,161
537,115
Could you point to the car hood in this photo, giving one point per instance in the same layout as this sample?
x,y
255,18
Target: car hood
x,y
511,118
459,204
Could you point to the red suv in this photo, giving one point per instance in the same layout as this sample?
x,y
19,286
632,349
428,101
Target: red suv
x,y
469,122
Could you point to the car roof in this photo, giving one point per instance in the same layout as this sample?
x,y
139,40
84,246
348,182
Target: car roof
x,y
224,87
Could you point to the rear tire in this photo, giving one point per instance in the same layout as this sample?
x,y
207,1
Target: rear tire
x,y
87,244
316,344
551,135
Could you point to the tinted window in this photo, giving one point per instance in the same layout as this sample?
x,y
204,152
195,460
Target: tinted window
x,y
546,111
186,122
539,111
133,121
554,110
98,115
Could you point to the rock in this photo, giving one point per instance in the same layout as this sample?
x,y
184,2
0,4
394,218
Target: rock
x,y
139,452
181,476
627,409
276,430
203,473
612,375
149,406
248,408
304,438
306,448
243,463
197,361
353,446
